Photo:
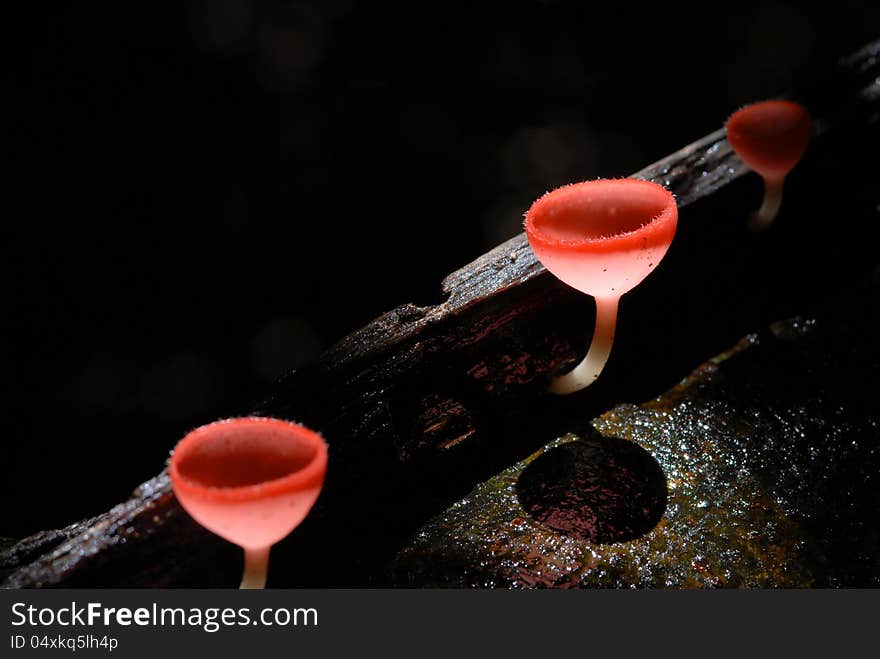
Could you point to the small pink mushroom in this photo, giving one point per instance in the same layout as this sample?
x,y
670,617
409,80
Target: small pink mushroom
x,y
251,481
770,137
602,238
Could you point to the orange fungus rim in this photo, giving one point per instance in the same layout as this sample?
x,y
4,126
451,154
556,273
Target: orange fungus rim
x,y
310,475
763,152
744,114
654,231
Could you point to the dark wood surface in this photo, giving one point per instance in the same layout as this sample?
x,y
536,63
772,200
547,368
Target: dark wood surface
x,y
422,401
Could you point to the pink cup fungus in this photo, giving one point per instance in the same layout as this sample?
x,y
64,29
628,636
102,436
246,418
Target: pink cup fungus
x,y
251,481
602,238
770,137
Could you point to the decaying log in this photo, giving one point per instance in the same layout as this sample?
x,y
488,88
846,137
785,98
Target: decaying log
x,y
759,470
424,401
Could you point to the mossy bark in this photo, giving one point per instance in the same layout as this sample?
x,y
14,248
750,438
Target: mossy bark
x,y
771,460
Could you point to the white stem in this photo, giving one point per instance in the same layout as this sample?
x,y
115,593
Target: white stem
x,y
764,216
585,373
256,565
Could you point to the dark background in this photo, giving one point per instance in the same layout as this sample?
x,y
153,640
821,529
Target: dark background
x,y
204,195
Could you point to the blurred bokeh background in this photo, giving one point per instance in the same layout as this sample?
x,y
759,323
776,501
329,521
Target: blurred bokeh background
x,y
203,195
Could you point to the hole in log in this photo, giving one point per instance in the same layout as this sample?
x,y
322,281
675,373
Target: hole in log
x,y
600,489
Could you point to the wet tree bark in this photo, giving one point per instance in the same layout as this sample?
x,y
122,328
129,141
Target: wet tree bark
x,y
422,401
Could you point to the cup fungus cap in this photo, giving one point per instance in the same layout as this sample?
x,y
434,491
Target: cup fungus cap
x,y
770,136
250,480
602,237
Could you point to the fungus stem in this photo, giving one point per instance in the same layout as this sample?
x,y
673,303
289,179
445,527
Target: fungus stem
x,y
585,373
256,565
764,216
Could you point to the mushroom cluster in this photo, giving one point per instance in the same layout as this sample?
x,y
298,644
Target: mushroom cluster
x,y
253,480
